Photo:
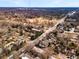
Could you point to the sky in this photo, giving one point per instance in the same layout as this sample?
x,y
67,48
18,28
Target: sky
x,y
39,3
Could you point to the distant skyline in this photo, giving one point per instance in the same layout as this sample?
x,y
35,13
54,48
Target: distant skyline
x,y
39,3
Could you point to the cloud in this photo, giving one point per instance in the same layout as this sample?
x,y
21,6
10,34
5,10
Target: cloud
x,y
57,1
31,2
16,2
27,1
65,3
73,4
44,3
